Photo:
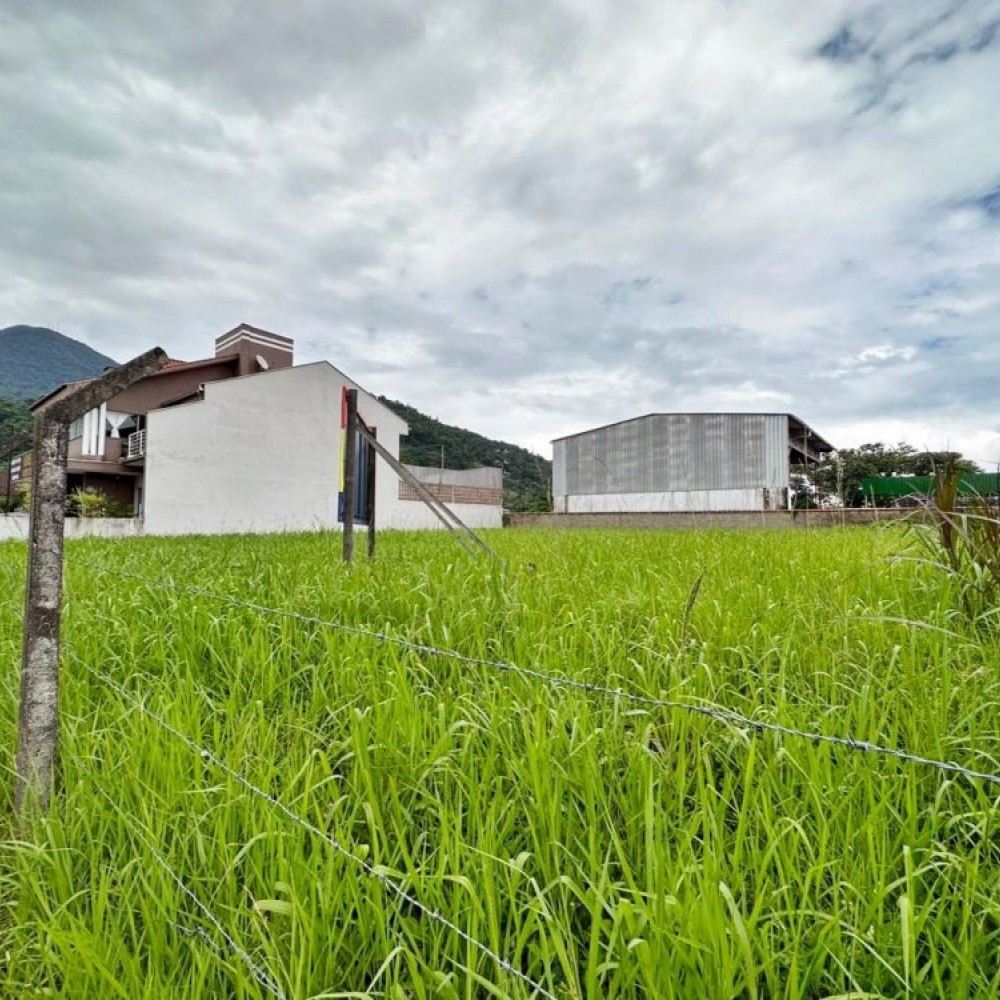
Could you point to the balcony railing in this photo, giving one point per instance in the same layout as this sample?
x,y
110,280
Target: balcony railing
x,y
136,445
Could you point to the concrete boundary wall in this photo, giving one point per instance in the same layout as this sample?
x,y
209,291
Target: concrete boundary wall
x,y
14,527
775,520
412,517
415,516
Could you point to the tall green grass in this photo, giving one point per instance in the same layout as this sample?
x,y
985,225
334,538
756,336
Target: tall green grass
x,y
967,544
603,850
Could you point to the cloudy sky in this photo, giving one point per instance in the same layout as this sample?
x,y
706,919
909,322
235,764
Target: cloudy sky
x,y
528,218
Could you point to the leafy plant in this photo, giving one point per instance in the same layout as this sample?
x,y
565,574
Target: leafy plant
x,y
968,532
88,503
12,503
20,496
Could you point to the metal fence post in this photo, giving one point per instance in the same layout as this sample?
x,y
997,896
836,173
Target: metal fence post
x,y
370,495
350,472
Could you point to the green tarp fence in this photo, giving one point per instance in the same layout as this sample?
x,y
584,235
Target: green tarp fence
x,y
982,483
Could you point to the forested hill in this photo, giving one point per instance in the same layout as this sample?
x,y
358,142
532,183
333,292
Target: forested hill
x,y
527,476
14,417
35,360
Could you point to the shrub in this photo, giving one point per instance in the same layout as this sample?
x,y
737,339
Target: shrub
x,y
20,497
88,503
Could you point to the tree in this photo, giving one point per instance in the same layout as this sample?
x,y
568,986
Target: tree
x,y
14,417
838,477
927,463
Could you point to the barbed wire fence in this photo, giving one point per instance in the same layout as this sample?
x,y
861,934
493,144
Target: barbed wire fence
x,y
715,713
365,866
262,977
560,681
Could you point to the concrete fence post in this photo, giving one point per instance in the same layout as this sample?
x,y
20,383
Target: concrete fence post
x,y
38,719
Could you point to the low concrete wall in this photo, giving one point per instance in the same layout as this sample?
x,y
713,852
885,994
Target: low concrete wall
x,y
775,520
103,527
14,527
417,516
408,517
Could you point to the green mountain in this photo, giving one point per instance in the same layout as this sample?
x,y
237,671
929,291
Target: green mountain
x,y
526,475
35,360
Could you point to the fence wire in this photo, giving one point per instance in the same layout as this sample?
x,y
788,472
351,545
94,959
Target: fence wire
x,y
369,869
712,712
262,977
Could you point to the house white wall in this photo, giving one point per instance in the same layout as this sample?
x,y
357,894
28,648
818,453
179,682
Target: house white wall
x,y
256,454
262,453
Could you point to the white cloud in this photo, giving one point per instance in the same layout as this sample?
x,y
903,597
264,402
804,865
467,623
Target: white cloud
x,y
528,218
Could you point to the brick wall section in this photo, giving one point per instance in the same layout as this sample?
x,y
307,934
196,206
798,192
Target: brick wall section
x,y
777,520
454,494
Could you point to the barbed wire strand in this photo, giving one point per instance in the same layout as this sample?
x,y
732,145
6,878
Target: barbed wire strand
x,y
369,869
558,680
262,977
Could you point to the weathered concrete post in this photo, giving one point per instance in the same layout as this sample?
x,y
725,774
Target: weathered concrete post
x,y
350,472
38,723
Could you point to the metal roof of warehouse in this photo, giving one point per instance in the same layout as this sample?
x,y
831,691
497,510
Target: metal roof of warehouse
x,y
796,425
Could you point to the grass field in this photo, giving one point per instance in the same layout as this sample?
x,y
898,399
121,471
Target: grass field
x,y
602,848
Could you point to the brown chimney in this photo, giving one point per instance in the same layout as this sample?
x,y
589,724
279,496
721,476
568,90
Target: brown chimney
x,y
258,350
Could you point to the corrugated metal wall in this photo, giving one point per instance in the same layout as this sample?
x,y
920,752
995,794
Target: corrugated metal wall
x,y
670,452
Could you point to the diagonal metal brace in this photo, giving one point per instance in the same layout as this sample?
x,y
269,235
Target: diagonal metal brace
x,y
444,513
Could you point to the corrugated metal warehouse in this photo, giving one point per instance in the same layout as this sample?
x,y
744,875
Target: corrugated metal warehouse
x,y
683,462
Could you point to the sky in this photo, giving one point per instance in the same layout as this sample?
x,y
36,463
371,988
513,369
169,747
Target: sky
x,y
528,218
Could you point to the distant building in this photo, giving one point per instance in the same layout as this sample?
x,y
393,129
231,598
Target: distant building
x,y
247,442
683,462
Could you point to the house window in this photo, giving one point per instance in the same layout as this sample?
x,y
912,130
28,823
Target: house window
x,y
76,429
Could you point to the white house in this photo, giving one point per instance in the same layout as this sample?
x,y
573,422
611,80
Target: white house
x,y
248,442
